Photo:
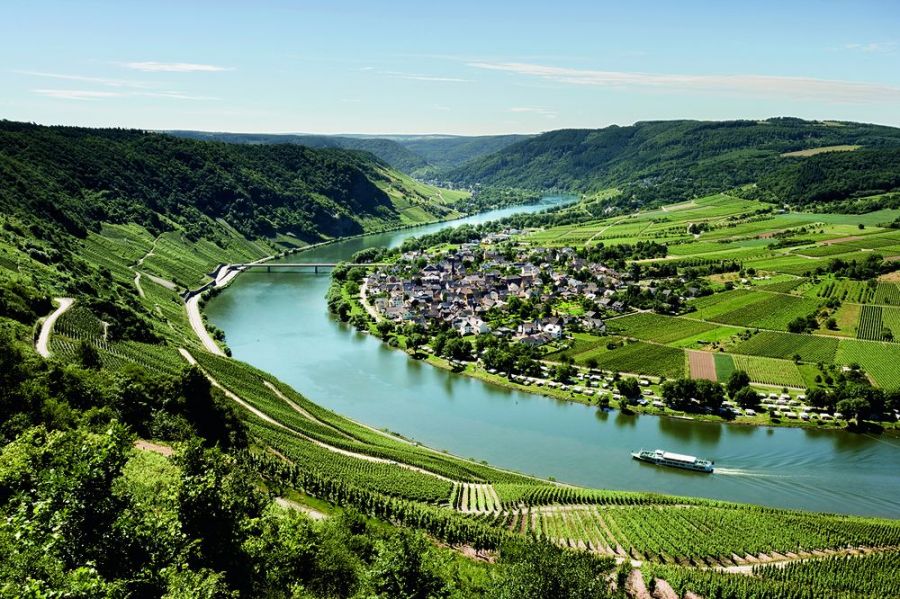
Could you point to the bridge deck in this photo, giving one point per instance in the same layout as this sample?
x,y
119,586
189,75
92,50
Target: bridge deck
x,y
301,265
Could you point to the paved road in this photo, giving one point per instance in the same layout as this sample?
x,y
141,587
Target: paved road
x,y
47,327
196,319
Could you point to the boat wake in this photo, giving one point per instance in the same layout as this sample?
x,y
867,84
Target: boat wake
x,y
751,473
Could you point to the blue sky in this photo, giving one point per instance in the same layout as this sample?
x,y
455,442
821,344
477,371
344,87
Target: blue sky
x,y
459,67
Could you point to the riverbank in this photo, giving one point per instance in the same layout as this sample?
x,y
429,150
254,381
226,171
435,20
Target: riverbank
x,y
570,392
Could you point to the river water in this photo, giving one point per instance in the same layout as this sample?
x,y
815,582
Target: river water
x,y
279,322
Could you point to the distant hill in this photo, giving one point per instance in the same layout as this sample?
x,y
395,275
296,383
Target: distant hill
x,y
393,153
77,178
444,152
418,155
669,160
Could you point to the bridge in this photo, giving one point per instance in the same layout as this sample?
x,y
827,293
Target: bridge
x,y
286,265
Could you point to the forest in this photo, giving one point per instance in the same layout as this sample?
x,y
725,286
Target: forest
x,y
655,161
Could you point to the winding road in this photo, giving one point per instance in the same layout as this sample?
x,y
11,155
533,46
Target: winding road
x,y
43,341
196,319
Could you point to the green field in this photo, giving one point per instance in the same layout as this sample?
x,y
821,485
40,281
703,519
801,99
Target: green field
x,y
810,348
661,329
770,371
636,357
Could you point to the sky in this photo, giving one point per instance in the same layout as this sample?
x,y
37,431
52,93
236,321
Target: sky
x,y
458,67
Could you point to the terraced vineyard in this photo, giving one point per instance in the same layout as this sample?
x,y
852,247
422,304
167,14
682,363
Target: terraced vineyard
x,y
856,575
770,371
653,327
878,359
311,423
810,348
637,357
887,294
845,290
707,535
474,498
870,325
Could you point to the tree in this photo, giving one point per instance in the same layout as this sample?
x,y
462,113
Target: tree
x,y
629,388
88,355
710,394
408,566
384,328
737,380
746,398
854,408
414,341
539,569
564,372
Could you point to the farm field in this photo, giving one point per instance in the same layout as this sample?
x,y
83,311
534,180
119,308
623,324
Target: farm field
x,y
742,307
810,348
635,357
724,366
653,327
878,359
770,371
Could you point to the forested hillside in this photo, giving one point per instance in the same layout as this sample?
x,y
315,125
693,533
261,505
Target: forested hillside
x,y
675,160
424,156
388,150
444,152
81,177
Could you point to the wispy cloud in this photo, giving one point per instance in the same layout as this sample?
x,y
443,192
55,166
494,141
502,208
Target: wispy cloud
x,y
760,85
550,114
86,79
87,94
874,47
173,67
415,76
77,94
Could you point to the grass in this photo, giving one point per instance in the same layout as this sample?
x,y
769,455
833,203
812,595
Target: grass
x,y
724,366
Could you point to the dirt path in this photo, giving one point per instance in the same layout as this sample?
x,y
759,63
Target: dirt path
x,y
299,507
144,445
43,340
268,419
817,554
604,229
137,284
171,286
302,411
364,300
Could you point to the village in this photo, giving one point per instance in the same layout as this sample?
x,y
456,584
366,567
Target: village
x,y
479,288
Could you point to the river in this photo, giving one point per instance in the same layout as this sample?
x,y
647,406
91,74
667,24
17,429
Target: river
x,y
279,322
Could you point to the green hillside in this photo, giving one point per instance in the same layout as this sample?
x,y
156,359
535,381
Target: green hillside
x,y
418,155
445,152
79,177
676,160
388,150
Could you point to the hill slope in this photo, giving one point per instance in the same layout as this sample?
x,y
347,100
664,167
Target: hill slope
x,y
79,177
666,159
417,155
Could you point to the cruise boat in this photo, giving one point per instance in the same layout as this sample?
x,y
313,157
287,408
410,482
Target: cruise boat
x,y
675,460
